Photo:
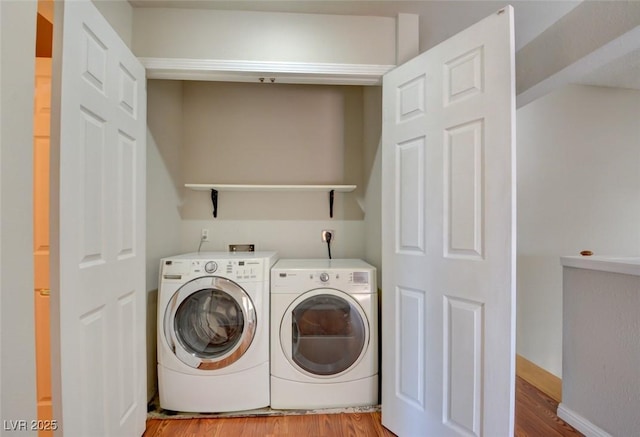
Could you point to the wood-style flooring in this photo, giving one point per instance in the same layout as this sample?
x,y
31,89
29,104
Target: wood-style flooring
x,y
310,425
536,414
535,417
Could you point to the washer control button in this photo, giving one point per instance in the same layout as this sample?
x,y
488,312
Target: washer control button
x,y
210,267
324,277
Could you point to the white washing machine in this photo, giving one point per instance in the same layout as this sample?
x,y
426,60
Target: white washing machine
x,y
324,334
213,331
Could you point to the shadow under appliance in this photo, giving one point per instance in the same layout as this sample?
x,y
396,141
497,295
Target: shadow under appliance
x,y
213,331
324,334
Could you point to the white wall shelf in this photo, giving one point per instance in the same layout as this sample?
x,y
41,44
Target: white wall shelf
x,y
215,188
239,187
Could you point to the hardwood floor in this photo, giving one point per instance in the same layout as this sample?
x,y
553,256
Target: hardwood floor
x,y
535,417
311,425
536,414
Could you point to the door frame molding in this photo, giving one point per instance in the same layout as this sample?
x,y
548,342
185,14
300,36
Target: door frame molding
x,y
254,71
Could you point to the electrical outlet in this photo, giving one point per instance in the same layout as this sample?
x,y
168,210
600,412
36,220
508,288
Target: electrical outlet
x,y
328,231
204,234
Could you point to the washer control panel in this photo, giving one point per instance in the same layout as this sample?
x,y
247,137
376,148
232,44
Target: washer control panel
x,y
236,270
236,267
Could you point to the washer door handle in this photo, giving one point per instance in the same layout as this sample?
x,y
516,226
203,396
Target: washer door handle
x,y
295,332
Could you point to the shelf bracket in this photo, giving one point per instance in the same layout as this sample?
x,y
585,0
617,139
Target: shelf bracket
x,y
214,202
331,195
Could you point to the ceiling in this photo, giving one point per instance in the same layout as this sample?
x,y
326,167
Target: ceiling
x,y
439,19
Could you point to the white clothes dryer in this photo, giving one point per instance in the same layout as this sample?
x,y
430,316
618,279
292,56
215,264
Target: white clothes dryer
x,y
213,331
324,334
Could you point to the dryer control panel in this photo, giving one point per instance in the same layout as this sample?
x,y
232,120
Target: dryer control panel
x,y
299,281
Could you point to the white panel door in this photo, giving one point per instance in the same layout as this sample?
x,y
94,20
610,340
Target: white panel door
x,y
98,250
448,290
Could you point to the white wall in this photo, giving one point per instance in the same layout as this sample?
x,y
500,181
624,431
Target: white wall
x,y
373,177
17,360
601,386
119,14
578,189
263,36
273,134
164,178
290,238
164,173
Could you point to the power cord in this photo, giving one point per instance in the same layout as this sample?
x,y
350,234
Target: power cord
x,y
328,237
201,241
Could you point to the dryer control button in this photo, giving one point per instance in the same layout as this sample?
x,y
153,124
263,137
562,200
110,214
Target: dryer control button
x,y
324,277
210,267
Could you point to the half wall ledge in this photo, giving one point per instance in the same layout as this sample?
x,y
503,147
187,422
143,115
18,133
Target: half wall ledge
x,y
629,265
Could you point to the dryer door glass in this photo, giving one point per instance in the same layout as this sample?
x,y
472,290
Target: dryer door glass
x,y
209,323
328,334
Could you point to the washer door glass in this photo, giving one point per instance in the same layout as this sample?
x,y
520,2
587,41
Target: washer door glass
x,y
328,334
210,323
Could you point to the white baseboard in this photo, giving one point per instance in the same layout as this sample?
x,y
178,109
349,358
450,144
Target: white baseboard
x,y
580,423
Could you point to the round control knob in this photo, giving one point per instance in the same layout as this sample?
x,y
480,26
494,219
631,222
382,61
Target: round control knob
x,y
210,267
324,277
